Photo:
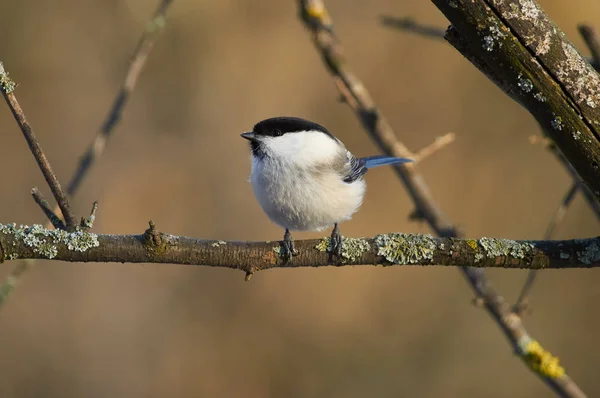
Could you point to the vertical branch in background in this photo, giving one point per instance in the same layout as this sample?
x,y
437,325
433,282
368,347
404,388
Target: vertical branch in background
x,y
152,30
315,17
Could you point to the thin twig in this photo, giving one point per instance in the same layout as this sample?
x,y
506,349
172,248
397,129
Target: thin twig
x,y
437,144
408,24
311,13
45,206
540,139
138,60
88,222
7,88
96,148
521,304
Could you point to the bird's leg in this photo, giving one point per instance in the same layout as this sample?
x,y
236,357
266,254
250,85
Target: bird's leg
x,y
287,247
336,242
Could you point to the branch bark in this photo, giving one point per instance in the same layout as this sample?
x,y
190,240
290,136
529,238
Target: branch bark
x,y
37,242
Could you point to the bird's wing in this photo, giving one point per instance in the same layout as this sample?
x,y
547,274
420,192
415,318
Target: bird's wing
x,y
359,166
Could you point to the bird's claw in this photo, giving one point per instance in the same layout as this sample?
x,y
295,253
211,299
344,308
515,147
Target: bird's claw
x,y
336,242
287,250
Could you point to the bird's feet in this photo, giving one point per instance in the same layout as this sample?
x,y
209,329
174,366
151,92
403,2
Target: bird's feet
x,y
287,250
336,242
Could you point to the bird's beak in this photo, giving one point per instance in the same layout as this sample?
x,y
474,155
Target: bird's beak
x,y
249,136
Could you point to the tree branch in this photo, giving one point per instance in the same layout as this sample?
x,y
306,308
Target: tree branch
x,y
7,87
37,242
517,44
45,206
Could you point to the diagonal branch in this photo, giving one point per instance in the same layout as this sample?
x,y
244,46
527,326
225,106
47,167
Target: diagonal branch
x,y
559,214
7,87
437,144
316,18
45,206
140,55
38,242
517,44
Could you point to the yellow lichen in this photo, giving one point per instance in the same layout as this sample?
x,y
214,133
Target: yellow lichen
x,y
323,245
472,244
317,10
542,361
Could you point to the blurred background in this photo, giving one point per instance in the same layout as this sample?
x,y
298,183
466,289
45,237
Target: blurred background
x,y
158,330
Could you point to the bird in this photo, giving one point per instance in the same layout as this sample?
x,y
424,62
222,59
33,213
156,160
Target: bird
x,y
305,179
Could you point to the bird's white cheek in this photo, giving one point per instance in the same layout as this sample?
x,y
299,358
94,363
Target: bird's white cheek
x,y
304,149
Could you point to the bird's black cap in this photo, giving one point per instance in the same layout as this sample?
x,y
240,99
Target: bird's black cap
x,y
277,126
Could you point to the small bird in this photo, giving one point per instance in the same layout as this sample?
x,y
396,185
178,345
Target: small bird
x,y
305,179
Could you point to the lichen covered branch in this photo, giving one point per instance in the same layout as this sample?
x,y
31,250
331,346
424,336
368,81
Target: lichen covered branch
x,y
527,55
38,242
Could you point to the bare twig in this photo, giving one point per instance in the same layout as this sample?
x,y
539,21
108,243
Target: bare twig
x,y
43,203
436,145
88,222
385,249
540,139
138,60
96,148
521,304
561,211
7,88
311,13
408,24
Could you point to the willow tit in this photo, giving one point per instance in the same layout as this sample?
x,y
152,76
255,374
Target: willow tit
x,y
305,179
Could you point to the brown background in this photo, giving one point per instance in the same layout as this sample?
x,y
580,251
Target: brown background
x,y
123,330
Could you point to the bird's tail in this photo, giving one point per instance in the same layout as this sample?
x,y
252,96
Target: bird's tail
x,y
380,160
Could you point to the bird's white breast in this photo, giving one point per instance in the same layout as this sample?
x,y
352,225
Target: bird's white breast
x,y
302,188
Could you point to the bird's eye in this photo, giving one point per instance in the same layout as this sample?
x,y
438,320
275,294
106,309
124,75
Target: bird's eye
x,y
277,133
